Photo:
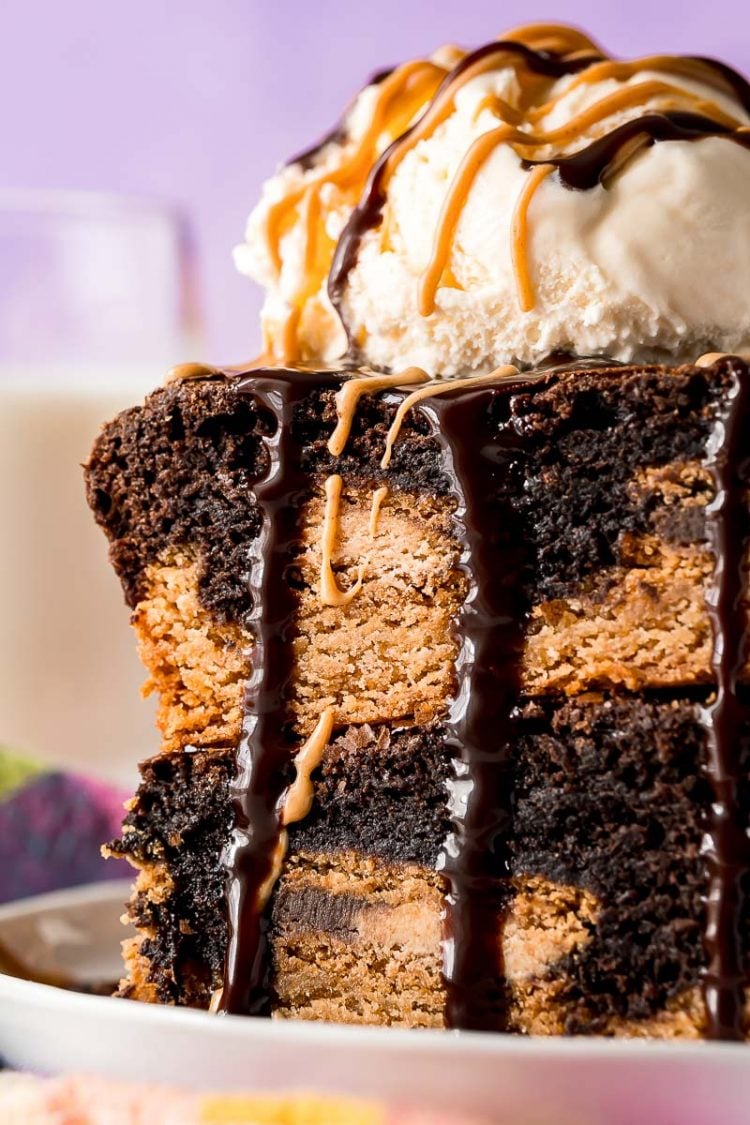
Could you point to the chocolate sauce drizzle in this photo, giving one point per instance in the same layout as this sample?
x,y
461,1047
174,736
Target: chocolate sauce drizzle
x,y
480,451
583,170
735,82
482,717
338,134
267,745
727,842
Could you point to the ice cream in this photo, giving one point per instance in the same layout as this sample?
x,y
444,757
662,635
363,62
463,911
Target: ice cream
x,y
522,215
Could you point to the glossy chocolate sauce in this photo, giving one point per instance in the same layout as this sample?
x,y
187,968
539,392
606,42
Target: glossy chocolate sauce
x,y
585,169
482,717
727,845
267,745
481,448
732,79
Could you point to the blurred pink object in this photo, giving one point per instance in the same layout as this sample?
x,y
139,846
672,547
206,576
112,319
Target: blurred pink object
x,y
78,1100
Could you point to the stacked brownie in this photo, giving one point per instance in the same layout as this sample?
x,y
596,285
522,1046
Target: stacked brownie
x,y
510,649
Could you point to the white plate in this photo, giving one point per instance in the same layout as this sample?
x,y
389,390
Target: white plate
x,y
586,1081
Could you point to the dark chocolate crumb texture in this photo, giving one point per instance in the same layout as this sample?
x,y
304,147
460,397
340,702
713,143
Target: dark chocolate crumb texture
x,y
451,704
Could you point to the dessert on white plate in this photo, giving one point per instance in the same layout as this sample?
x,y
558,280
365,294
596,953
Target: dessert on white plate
x,y
451,655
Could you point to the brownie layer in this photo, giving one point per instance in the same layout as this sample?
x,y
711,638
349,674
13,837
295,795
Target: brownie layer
x,y
609,496
174,833
609,798
604,926
378,793
179,470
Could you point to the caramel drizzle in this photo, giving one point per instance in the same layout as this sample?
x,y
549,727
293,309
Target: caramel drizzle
x,y
485,145
300,794
437,387
417,97
520,228
378,497
330,592
558,45
399,97
353,390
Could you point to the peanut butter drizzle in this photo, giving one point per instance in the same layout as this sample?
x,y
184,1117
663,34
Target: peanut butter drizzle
x,y
354,167
309,213
437,387
555,38
352,391
400,96
288,349
684,66
378,497
300,794
572,130
443,104
520,234
452,210
265,889
710,358
330,592
416,98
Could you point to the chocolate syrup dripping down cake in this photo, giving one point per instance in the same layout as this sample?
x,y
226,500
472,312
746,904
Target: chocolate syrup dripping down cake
x,y
449,641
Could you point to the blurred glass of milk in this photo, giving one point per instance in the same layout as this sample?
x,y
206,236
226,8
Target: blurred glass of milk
x,y
96,303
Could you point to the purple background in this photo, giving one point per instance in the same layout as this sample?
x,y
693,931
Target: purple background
x,y
196,101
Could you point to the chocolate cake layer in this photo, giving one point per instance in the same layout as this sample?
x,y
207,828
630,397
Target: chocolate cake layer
x,y
605,897
598,916
609,497
180,469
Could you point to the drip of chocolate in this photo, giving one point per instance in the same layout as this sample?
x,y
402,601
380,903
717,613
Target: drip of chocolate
x,y
267,746
585,169
739,86
480,453
726,719
482,718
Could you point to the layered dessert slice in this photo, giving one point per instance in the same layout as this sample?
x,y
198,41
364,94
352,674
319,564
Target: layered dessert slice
x,y
449,630
440,737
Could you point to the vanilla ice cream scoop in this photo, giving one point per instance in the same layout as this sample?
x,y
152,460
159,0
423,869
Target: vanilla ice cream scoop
x,y
532,197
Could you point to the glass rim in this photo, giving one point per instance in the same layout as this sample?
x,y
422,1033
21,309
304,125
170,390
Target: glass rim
x,y
83,202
